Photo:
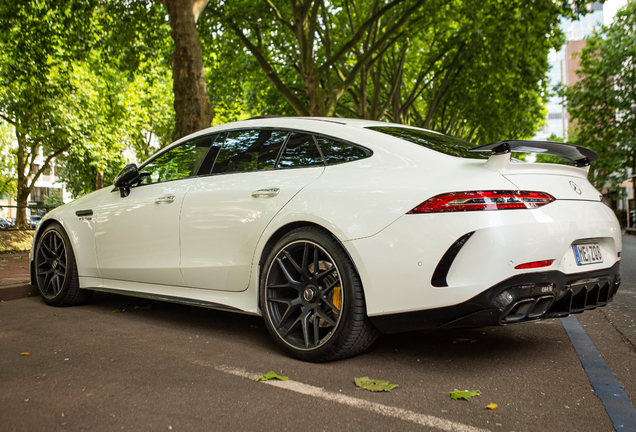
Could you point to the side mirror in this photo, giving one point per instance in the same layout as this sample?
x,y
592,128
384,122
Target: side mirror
x,y
125,178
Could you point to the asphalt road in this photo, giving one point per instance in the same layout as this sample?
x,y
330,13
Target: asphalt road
x,y
182,368
622,311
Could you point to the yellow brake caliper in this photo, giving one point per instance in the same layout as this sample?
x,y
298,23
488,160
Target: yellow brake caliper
x,y
337,299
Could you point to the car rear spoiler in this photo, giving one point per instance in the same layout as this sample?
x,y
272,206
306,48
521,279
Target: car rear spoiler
x,y
576,155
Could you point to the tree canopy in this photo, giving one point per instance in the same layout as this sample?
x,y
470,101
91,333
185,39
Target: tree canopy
x,y
603,103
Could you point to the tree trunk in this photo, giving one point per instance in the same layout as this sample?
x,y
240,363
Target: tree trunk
x,y
99,181
21,214
191,102
24,190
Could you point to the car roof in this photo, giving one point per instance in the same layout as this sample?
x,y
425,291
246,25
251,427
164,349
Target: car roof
x,y
336,126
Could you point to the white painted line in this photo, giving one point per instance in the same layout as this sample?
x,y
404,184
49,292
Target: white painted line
x,y
385,410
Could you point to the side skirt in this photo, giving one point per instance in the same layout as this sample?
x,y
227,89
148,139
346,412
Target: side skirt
x,y
180,300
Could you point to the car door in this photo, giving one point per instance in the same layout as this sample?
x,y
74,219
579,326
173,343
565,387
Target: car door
x,y
137,236
225,213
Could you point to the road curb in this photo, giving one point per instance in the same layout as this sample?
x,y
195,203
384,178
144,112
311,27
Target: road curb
x,y
15,292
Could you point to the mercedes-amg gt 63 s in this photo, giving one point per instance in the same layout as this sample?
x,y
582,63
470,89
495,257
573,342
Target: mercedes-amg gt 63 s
x,y
335,230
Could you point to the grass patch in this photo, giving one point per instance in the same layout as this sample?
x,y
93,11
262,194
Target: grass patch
x,y
16,241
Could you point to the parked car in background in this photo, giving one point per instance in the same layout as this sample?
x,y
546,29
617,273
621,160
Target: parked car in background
x,y
33,221
336,229
5,224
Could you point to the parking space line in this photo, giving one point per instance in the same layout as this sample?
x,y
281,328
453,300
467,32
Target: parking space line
x,y
605,384
385,410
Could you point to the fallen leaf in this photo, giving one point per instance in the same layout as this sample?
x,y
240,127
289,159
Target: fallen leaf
x,y
148,307
25,354
491,406
270,376
463,340
463,394
119,310
374,385
254,326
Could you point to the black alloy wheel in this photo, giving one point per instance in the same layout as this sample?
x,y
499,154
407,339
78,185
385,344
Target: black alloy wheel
x,y
55,269
312,298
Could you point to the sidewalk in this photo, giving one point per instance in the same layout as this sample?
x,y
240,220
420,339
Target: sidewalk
x,y
14,277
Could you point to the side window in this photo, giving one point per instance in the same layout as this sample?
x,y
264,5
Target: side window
x,y
249,150
300,150
338,152
177,163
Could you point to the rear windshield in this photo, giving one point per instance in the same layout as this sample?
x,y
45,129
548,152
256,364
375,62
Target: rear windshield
x,y
440,143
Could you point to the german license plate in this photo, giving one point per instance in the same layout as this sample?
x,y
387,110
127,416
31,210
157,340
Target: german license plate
x,y
588,253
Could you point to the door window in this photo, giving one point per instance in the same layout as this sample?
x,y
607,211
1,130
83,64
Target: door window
x,y
177,163
336,152
249,150
301,151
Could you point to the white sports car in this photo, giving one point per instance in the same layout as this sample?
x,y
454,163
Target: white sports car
x,y
335,230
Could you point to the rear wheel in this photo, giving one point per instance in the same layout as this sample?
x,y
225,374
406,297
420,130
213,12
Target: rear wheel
x,y
312,298
55,269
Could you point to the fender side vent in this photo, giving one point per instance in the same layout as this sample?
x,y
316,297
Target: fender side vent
x,y
443,267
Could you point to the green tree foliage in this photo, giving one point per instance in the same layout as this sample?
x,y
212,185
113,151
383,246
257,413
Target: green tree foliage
x,y
471,69
55,199
603,103
80,84
39,43
8,180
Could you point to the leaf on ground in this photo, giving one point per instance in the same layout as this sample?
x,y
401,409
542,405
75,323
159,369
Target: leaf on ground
x,y
25,354
254,326
374,385
270,376
463,394
119,310
463,340
148,307
492,406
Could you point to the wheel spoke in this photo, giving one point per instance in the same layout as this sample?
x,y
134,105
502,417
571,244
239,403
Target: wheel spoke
x,y
48,277
281,286
316,262
46,252
331,305
56,285
305,323
324,273
316,329
292,327
294,263
289,277
324,316
305,265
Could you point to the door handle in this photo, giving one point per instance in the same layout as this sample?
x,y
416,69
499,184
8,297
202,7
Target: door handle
x,y
266,192
168,199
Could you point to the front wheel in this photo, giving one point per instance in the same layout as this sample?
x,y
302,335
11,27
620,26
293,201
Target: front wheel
x,y
55,269
312,298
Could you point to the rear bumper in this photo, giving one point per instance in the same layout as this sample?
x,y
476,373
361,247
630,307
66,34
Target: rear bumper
x,y
524,298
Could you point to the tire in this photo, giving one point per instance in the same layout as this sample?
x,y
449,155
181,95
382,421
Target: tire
x,y
306,278
56,271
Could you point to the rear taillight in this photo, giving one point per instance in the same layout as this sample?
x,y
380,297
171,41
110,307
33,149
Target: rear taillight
x,y
484,200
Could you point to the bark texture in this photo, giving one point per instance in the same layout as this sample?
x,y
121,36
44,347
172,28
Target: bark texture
x,y
191,102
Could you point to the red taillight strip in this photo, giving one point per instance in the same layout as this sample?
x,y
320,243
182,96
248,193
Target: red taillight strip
x,y
484,200
534,264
